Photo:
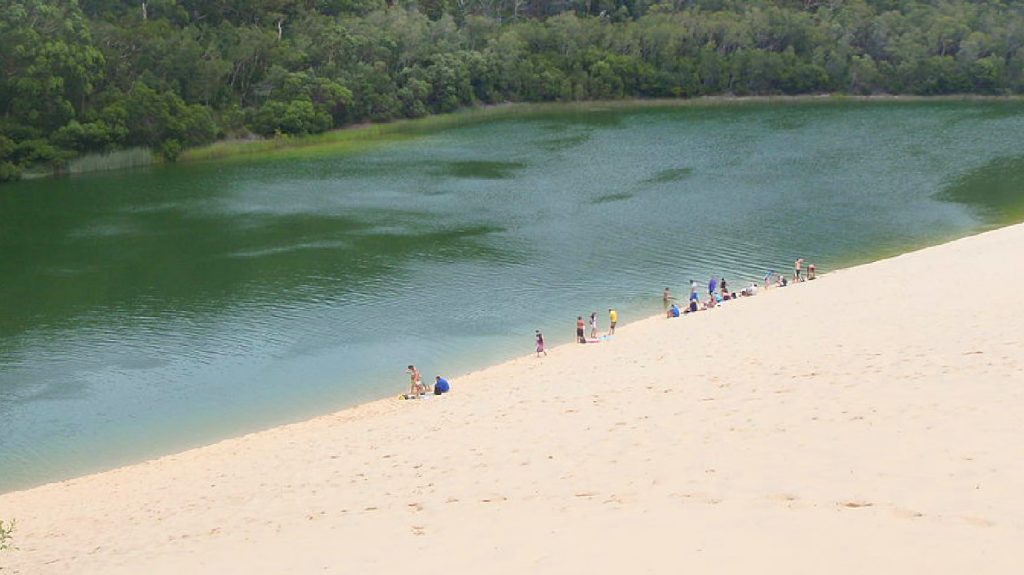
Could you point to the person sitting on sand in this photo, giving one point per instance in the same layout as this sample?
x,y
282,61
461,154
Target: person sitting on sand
x,y
673,311
810,271
693,305
711,302
580,336
540,343
440,385
416,386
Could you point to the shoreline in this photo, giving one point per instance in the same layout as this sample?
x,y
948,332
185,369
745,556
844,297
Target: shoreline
x,y
358,137
368,135
296,419
399,390
855,417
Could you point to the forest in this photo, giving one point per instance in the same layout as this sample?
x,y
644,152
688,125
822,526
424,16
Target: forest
x,y
91,76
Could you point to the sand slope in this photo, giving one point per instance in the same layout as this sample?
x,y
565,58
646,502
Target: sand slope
x,y
868,422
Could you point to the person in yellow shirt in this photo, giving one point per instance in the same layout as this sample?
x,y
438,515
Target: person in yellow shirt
x,y
613,317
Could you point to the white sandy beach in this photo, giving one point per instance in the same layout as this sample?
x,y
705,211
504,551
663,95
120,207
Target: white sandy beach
x,y
867,422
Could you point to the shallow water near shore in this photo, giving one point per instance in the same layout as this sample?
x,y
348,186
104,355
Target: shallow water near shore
x,y
147,311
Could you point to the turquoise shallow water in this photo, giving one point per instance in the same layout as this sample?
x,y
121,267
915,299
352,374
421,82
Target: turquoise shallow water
x,y
143,312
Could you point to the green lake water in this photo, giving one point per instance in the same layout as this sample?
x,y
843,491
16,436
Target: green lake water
x,y
147,311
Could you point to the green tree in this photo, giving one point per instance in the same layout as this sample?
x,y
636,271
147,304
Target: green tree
x,y
48,61
9,168
156,117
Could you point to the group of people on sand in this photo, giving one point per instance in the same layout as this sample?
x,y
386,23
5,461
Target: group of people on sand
x,y
800,274
581,334
718,290
581,330
418,389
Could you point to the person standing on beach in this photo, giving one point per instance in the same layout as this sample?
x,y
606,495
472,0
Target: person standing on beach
x,y
540,344
593,325
416,387
796,269
712,285
666,298
693,290
613,318
580,336
722,284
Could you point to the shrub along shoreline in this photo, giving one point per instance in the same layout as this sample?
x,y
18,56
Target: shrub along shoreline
x,y
363,137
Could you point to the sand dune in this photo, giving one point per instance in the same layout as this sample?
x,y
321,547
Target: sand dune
x,y
867,422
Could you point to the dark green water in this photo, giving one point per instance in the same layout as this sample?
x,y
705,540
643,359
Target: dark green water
x,y
147,311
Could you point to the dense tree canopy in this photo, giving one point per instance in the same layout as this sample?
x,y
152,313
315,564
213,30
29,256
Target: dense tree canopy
x,y
85,76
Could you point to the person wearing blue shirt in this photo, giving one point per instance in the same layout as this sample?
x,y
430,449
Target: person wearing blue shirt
x,y
440,385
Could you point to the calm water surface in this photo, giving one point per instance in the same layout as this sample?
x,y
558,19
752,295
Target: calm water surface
x,y
148,311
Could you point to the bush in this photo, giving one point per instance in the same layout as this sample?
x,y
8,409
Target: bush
x,y
6,532
170,150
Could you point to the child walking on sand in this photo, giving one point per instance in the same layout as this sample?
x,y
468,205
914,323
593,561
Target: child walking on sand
x,y
540,344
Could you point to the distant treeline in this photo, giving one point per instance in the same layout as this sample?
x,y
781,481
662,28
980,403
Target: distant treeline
x,y
82,76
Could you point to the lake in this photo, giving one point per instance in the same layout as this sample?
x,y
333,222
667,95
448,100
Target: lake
x,y
147,311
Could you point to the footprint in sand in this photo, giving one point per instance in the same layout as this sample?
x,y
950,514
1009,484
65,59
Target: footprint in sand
x,y
787,499
856,504
906,513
